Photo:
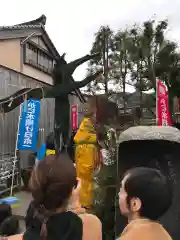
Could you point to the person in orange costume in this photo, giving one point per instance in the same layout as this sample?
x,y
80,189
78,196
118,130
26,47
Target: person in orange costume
x,y
86,158
100,111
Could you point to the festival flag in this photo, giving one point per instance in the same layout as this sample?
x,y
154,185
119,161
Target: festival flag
x,y
162,105
28,126
74,117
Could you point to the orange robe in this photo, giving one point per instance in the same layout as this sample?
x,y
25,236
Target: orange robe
x,y
86,157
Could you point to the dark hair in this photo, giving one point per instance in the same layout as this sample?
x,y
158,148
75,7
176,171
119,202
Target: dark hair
x,y
5,211
51,184
50,141
52,181
152,188
9,226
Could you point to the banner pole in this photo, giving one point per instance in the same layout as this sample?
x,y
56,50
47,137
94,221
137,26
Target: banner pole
x,y
15,153
156,101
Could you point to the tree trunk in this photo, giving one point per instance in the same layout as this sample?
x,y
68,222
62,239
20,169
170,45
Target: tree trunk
x,y
105,62
141,94
124,94
61,122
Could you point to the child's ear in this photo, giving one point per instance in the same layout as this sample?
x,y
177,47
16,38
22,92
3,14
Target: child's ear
x,y
135,204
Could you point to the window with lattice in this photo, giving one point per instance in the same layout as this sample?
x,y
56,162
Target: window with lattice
x,y
37,58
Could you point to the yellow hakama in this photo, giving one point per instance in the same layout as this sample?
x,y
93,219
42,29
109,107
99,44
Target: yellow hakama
x,y
86,158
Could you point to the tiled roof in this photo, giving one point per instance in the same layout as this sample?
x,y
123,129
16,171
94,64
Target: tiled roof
x,y
37,23
20,27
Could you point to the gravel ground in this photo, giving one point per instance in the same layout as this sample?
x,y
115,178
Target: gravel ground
x,y
22,226
25,199
20,211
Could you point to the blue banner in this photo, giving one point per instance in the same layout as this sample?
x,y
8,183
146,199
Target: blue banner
x,y
28,126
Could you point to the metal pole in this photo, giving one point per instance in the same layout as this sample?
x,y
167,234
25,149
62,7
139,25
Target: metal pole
x,y
15,153
156,102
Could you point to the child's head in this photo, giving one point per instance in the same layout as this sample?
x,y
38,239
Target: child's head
x,y
146,193
5,211
9,226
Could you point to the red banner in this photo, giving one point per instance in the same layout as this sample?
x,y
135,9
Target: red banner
x,y
162,105
74,117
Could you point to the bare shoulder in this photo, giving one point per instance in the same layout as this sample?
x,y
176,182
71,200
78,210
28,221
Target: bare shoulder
x,y
93,221
146,232
90,218
15,237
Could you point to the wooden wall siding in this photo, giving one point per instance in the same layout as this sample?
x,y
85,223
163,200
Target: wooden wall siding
x,y
10,82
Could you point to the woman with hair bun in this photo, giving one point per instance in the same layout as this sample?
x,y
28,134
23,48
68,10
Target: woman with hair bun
x,y
55,212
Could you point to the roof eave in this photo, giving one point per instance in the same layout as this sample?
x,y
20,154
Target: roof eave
x,y
50,43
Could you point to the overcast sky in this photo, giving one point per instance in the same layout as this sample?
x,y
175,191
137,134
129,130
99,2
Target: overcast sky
x,y
71,24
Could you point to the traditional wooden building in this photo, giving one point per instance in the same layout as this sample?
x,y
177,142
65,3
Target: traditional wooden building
x,y
26,60
27,56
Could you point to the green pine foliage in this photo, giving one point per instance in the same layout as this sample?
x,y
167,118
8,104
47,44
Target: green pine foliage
x,y
136,56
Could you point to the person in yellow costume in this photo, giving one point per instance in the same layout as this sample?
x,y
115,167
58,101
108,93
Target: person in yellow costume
x,y
86,159
88,139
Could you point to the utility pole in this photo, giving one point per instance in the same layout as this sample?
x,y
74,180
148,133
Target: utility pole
x,y
105,59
